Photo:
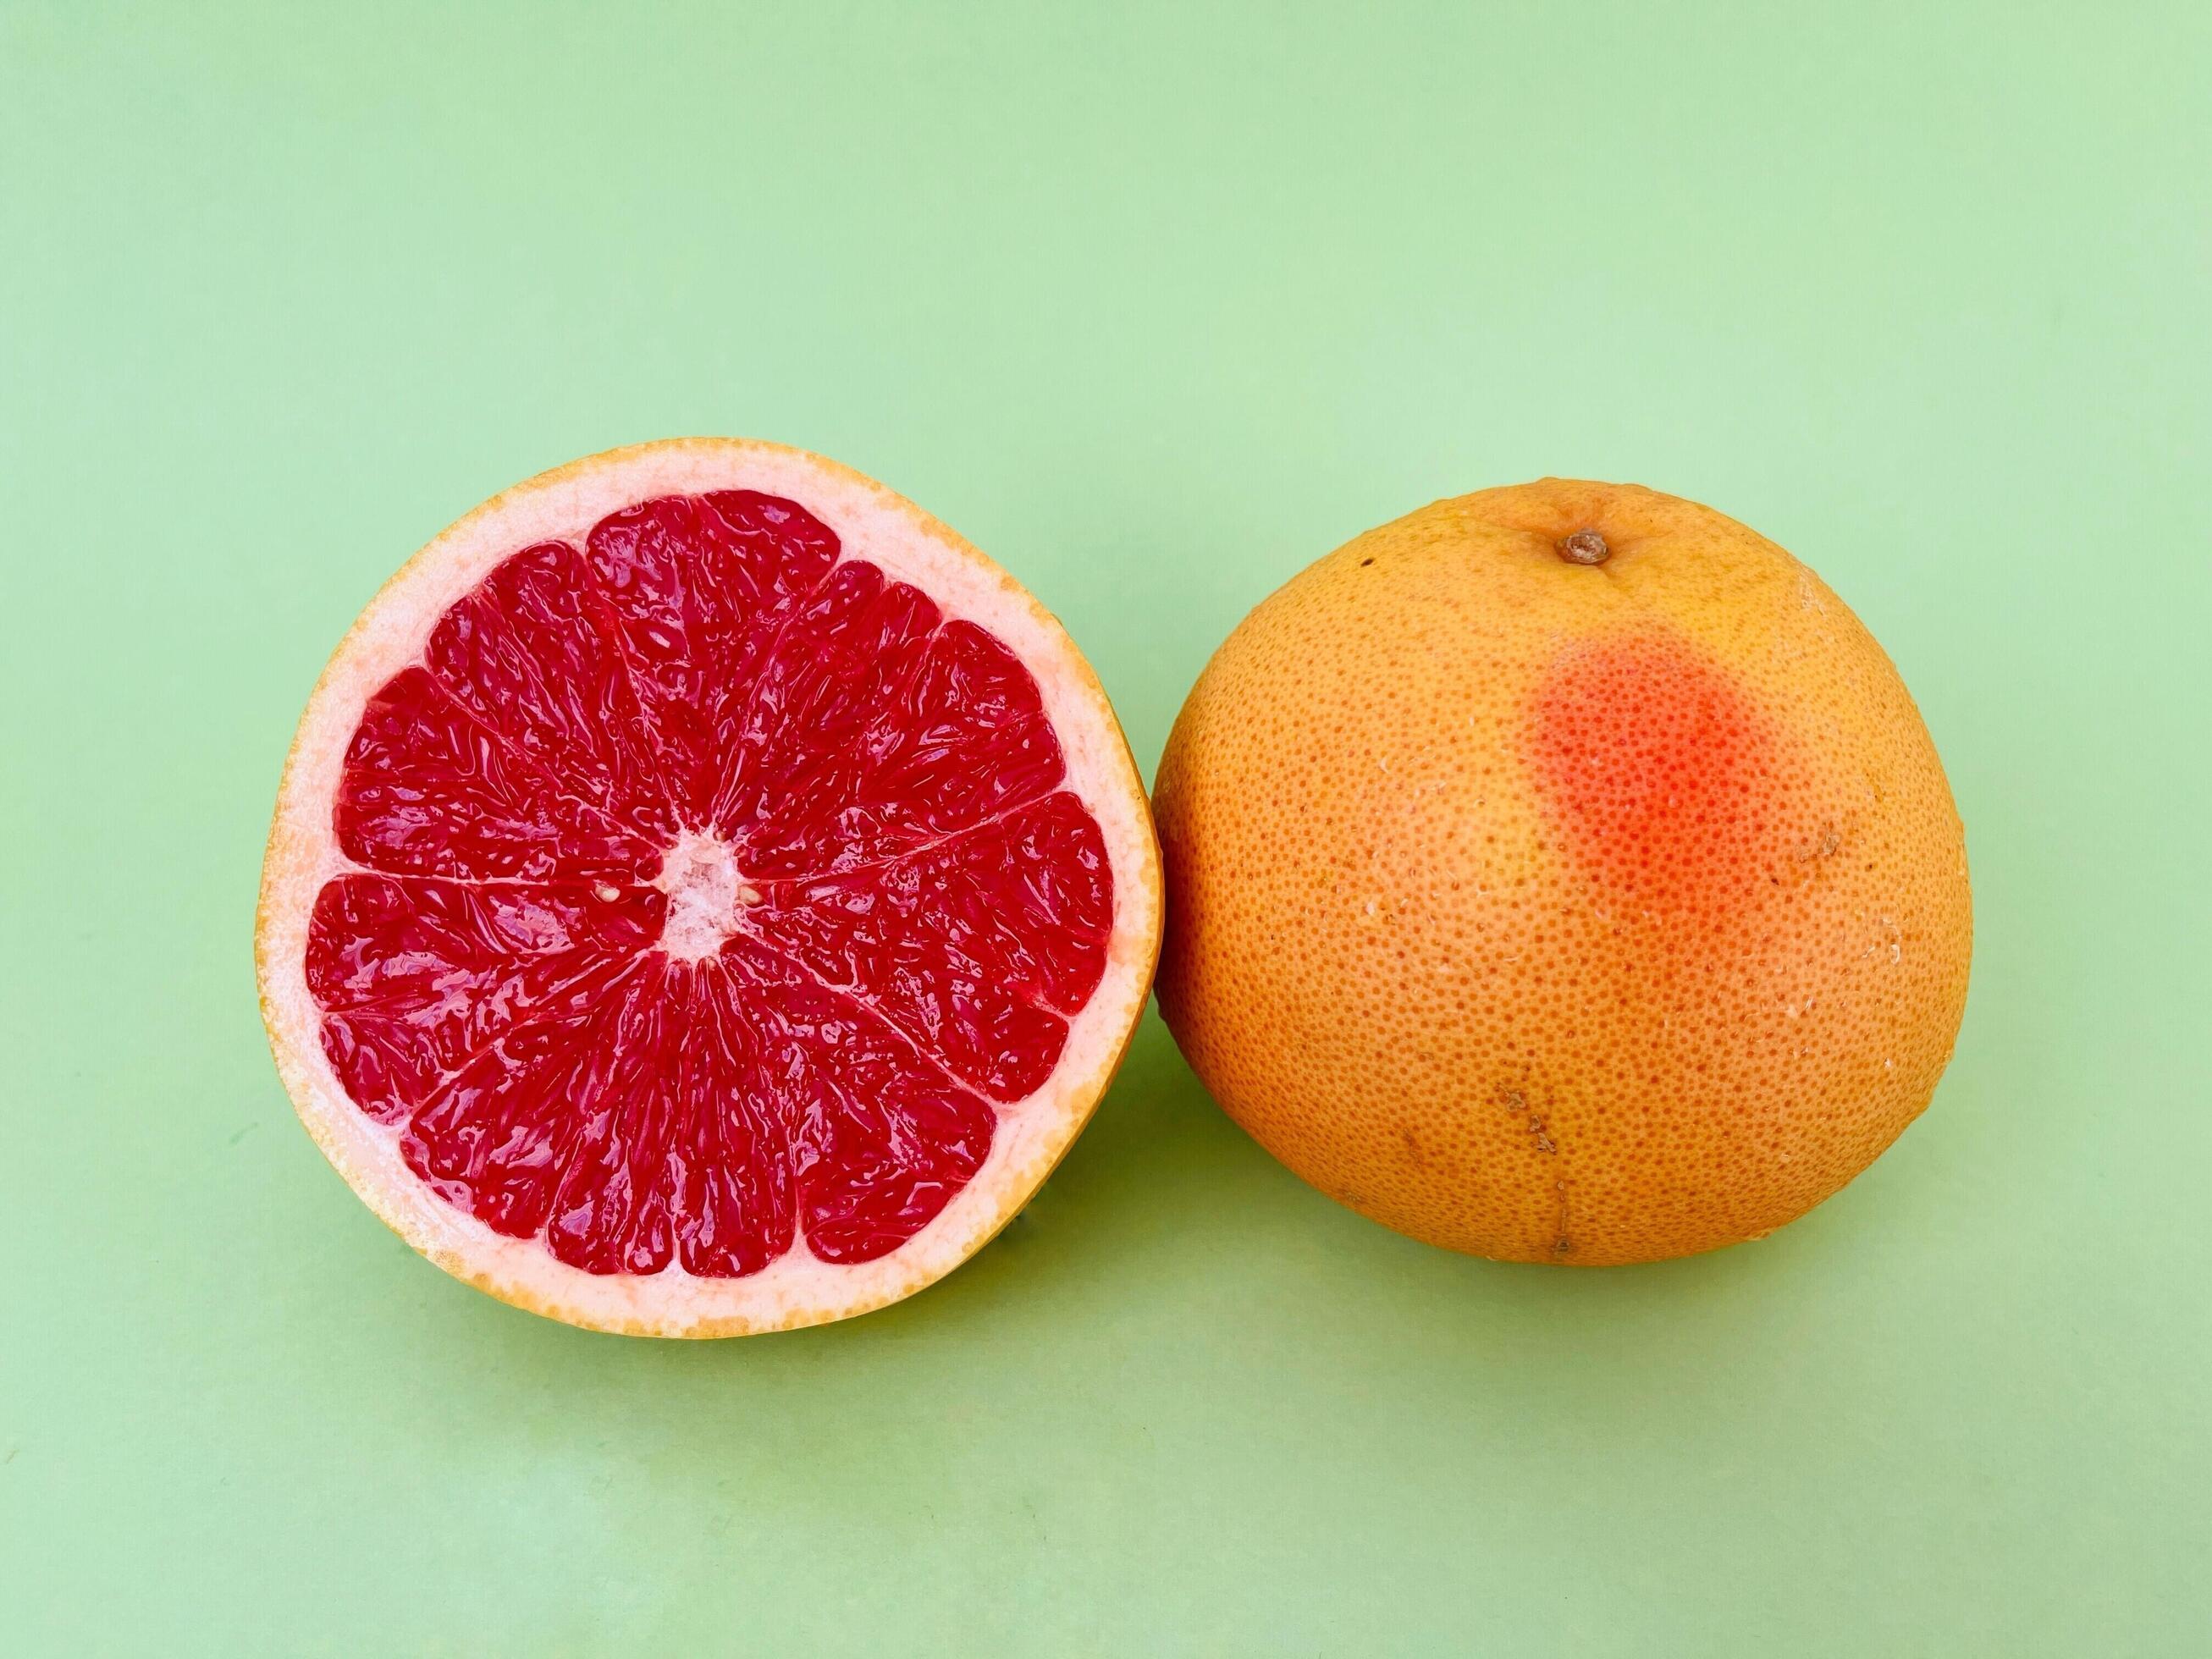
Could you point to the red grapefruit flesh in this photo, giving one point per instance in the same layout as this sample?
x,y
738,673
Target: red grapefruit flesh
x,y
706,896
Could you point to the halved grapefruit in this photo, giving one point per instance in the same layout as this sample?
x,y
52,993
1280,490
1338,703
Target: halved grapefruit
x,y
706,895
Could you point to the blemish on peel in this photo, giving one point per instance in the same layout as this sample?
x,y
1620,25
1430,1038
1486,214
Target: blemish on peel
x,y
1413,1152
1659,772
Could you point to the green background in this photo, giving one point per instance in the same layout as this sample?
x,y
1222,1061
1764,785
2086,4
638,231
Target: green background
x,y
1157,304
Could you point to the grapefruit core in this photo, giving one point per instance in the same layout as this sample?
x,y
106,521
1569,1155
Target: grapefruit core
x,y
706,896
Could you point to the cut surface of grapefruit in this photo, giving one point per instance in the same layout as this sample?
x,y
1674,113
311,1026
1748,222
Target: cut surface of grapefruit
x,y
706,894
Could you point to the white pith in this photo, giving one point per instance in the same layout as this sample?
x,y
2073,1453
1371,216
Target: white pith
x,y
873,524
704,896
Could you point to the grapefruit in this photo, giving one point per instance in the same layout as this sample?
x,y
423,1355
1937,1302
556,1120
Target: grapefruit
x,y
706,894
1562,873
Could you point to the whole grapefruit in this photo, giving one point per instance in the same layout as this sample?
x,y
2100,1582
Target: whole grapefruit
x,y
1563,873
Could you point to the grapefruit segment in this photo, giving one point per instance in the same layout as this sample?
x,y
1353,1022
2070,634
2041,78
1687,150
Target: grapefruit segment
x,y
431,789
698,587
706,896
416,977
528,656
1030,893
